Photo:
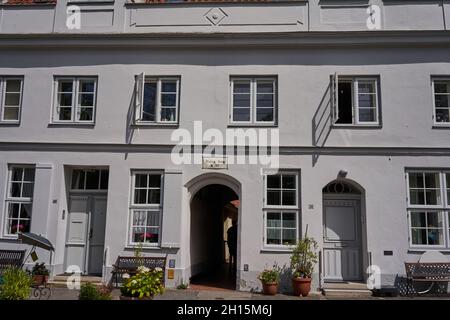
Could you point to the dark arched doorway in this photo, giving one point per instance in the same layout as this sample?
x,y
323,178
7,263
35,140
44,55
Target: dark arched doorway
x,y
214,209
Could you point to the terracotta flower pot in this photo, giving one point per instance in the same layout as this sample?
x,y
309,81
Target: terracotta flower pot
x,y
40,279
302,286
270,288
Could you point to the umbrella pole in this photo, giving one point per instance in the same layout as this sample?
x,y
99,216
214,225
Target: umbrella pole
x,y
51,266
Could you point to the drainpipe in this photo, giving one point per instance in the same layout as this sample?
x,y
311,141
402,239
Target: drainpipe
x,y
320,269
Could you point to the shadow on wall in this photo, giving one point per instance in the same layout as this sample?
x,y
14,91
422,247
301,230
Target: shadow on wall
x,y
130,121
321,123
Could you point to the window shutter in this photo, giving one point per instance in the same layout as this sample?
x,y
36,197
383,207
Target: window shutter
x,y
334,98
139,95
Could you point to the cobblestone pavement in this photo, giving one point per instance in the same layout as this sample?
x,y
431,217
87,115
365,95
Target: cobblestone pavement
x,y
173,294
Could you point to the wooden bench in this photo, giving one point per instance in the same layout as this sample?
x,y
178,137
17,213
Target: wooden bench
x,y
130,265
11,258
426,272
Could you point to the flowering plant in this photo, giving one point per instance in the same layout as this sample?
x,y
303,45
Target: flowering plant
x,y
304,258
270,275
146,283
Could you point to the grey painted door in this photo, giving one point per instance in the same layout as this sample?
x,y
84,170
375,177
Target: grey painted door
x,y
342,240
86,233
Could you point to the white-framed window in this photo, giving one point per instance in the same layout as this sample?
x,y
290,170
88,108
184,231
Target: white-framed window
x,y
253,100
441,101
19,199
11,98
355,100
89,179
157,99
75,99
281,209
146,208
428,208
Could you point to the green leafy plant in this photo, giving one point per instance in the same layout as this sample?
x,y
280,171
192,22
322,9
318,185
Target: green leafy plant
x,y
146,283
304,258
138,254
16,284
182,286
39,269
89,291
271,275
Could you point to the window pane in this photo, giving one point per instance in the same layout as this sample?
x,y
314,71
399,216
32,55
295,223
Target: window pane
x,y
273,219
432,180
65,113
274,197
264,114
13,210
87,86
28,174
16,174
141,180
138,234
15,189
289,237
418,219
241,87
241,114
433,197
154,196
104,179
13,85
78,179
442,101
168,114
154,180
169,86
140,196
289,220
148,112
435,236
289,182
274,181
153,218
86,99
65,86
419,236
92,179
86,114
139,217
27,190
442,115
273,236
442,87
366,86
168,100
19,225
65,99
417,197
12,99
415,180
367,115
434,220
264,87
289,198
264,100
25,212
241,100
152,235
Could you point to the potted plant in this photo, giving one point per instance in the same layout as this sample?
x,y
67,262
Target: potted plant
x,y
270,278
144,285
40,274
303,260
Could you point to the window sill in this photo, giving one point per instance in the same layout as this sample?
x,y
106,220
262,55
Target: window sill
x,y
134,247
155,125
70,125
422,250
441,126
356,126
277,250
252,125
10,123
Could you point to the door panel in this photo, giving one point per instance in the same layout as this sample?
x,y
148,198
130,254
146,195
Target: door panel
x,y
77,231
342,240
97,234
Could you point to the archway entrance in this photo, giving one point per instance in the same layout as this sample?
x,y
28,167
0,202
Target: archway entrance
x,y
342,232
213,247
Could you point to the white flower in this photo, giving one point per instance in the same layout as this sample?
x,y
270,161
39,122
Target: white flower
x,y
158,269
133,281
126,276
143,269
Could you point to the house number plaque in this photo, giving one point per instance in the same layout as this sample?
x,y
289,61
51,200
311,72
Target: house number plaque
x,y
214,163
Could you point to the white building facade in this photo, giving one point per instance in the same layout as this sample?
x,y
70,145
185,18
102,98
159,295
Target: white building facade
x,y
358,95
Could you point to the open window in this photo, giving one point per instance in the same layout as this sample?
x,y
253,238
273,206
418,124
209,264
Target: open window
x,y
354,100
156,99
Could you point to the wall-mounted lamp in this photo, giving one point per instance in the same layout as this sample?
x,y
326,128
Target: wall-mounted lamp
x,y
342,173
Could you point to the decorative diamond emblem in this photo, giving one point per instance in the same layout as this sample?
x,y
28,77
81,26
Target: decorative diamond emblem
x,y
215,15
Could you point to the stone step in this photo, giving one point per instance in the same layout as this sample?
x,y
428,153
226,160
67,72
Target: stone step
x,y
61,280
346,289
